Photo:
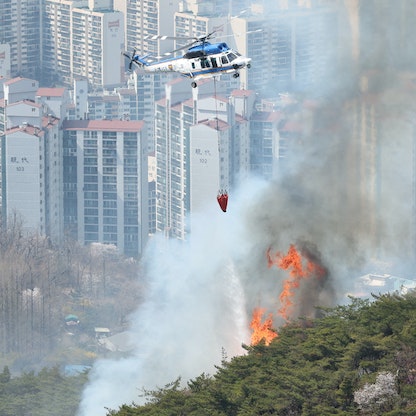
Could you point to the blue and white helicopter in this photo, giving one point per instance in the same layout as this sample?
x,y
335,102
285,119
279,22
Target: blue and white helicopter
x,y
202,59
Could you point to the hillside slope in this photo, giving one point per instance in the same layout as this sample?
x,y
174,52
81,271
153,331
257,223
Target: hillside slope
x,y
356,359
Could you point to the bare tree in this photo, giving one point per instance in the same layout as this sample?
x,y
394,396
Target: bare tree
x,y
41,283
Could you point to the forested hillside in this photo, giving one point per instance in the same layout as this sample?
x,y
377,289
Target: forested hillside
x,y
48,393
356,359
41,284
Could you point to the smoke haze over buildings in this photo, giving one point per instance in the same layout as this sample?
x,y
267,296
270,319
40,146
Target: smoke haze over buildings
x,y
347,196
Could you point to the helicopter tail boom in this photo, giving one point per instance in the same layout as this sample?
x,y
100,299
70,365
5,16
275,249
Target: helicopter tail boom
x,y
140,60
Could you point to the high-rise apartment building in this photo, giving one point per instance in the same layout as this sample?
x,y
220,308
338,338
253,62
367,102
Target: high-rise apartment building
x,y
381,169
145,19
5,58
152,193
382,128
84,178
96,35
215,7
373,33
202,146
266,147
106,183
22,178
57,42
291,48
79,40
171,123
53,168
20,29
31,161
245,141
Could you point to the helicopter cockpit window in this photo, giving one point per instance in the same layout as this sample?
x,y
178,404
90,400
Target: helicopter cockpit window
x,y
224,60
231,56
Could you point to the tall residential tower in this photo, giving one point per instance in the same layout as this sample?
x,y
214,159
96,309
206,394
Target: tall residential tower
x,y
20,29
79,40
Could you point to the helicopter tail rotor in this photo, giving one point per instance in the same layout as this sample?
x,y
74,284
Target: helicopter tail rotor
x,y
136,59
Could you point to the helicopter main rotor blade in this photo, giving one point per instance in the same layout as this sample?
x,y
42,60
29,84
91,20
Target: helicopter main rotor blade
x,y
201,38
178,49
163,37
204,38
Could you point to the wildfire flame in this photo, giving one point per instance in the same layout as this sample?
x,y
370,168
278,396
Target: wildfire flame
x,y
298,270
300,265
262,331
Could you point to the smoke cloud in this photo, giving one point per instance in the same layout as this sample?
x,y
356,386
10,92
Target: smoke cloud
x,y
194,315
346,197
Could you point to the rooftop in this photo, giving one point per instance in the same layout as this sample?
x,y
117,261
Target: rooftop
x,y
242,93
103,125
216,124
27,128
14,80
28,102
50,92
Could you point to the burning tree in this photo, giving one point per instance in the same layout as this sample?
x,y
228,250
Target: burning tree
x,y
262,330
302,264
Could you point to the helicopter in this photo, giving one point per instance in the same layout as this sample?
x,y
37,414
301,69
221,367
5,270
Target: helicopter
x,y
201,60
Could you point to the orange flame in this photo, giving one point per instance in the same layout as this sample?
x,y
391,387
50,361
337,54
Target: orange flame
x,y
299,268
298,271
262,331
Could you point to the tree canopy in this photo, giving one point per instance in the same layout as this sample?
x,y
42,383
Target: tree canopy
x,y
355,359
44,394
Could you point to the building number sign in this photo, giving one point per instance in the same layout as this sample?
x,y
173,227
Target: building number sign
x,y
19,162
203,155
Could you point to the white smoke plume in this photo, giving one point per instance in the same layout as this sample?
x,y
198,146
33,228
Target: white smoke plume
x,y
194,313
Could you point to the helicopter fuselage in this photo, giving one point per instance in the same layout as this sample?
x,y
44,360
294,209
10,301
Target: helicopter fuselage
x,y
201,61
